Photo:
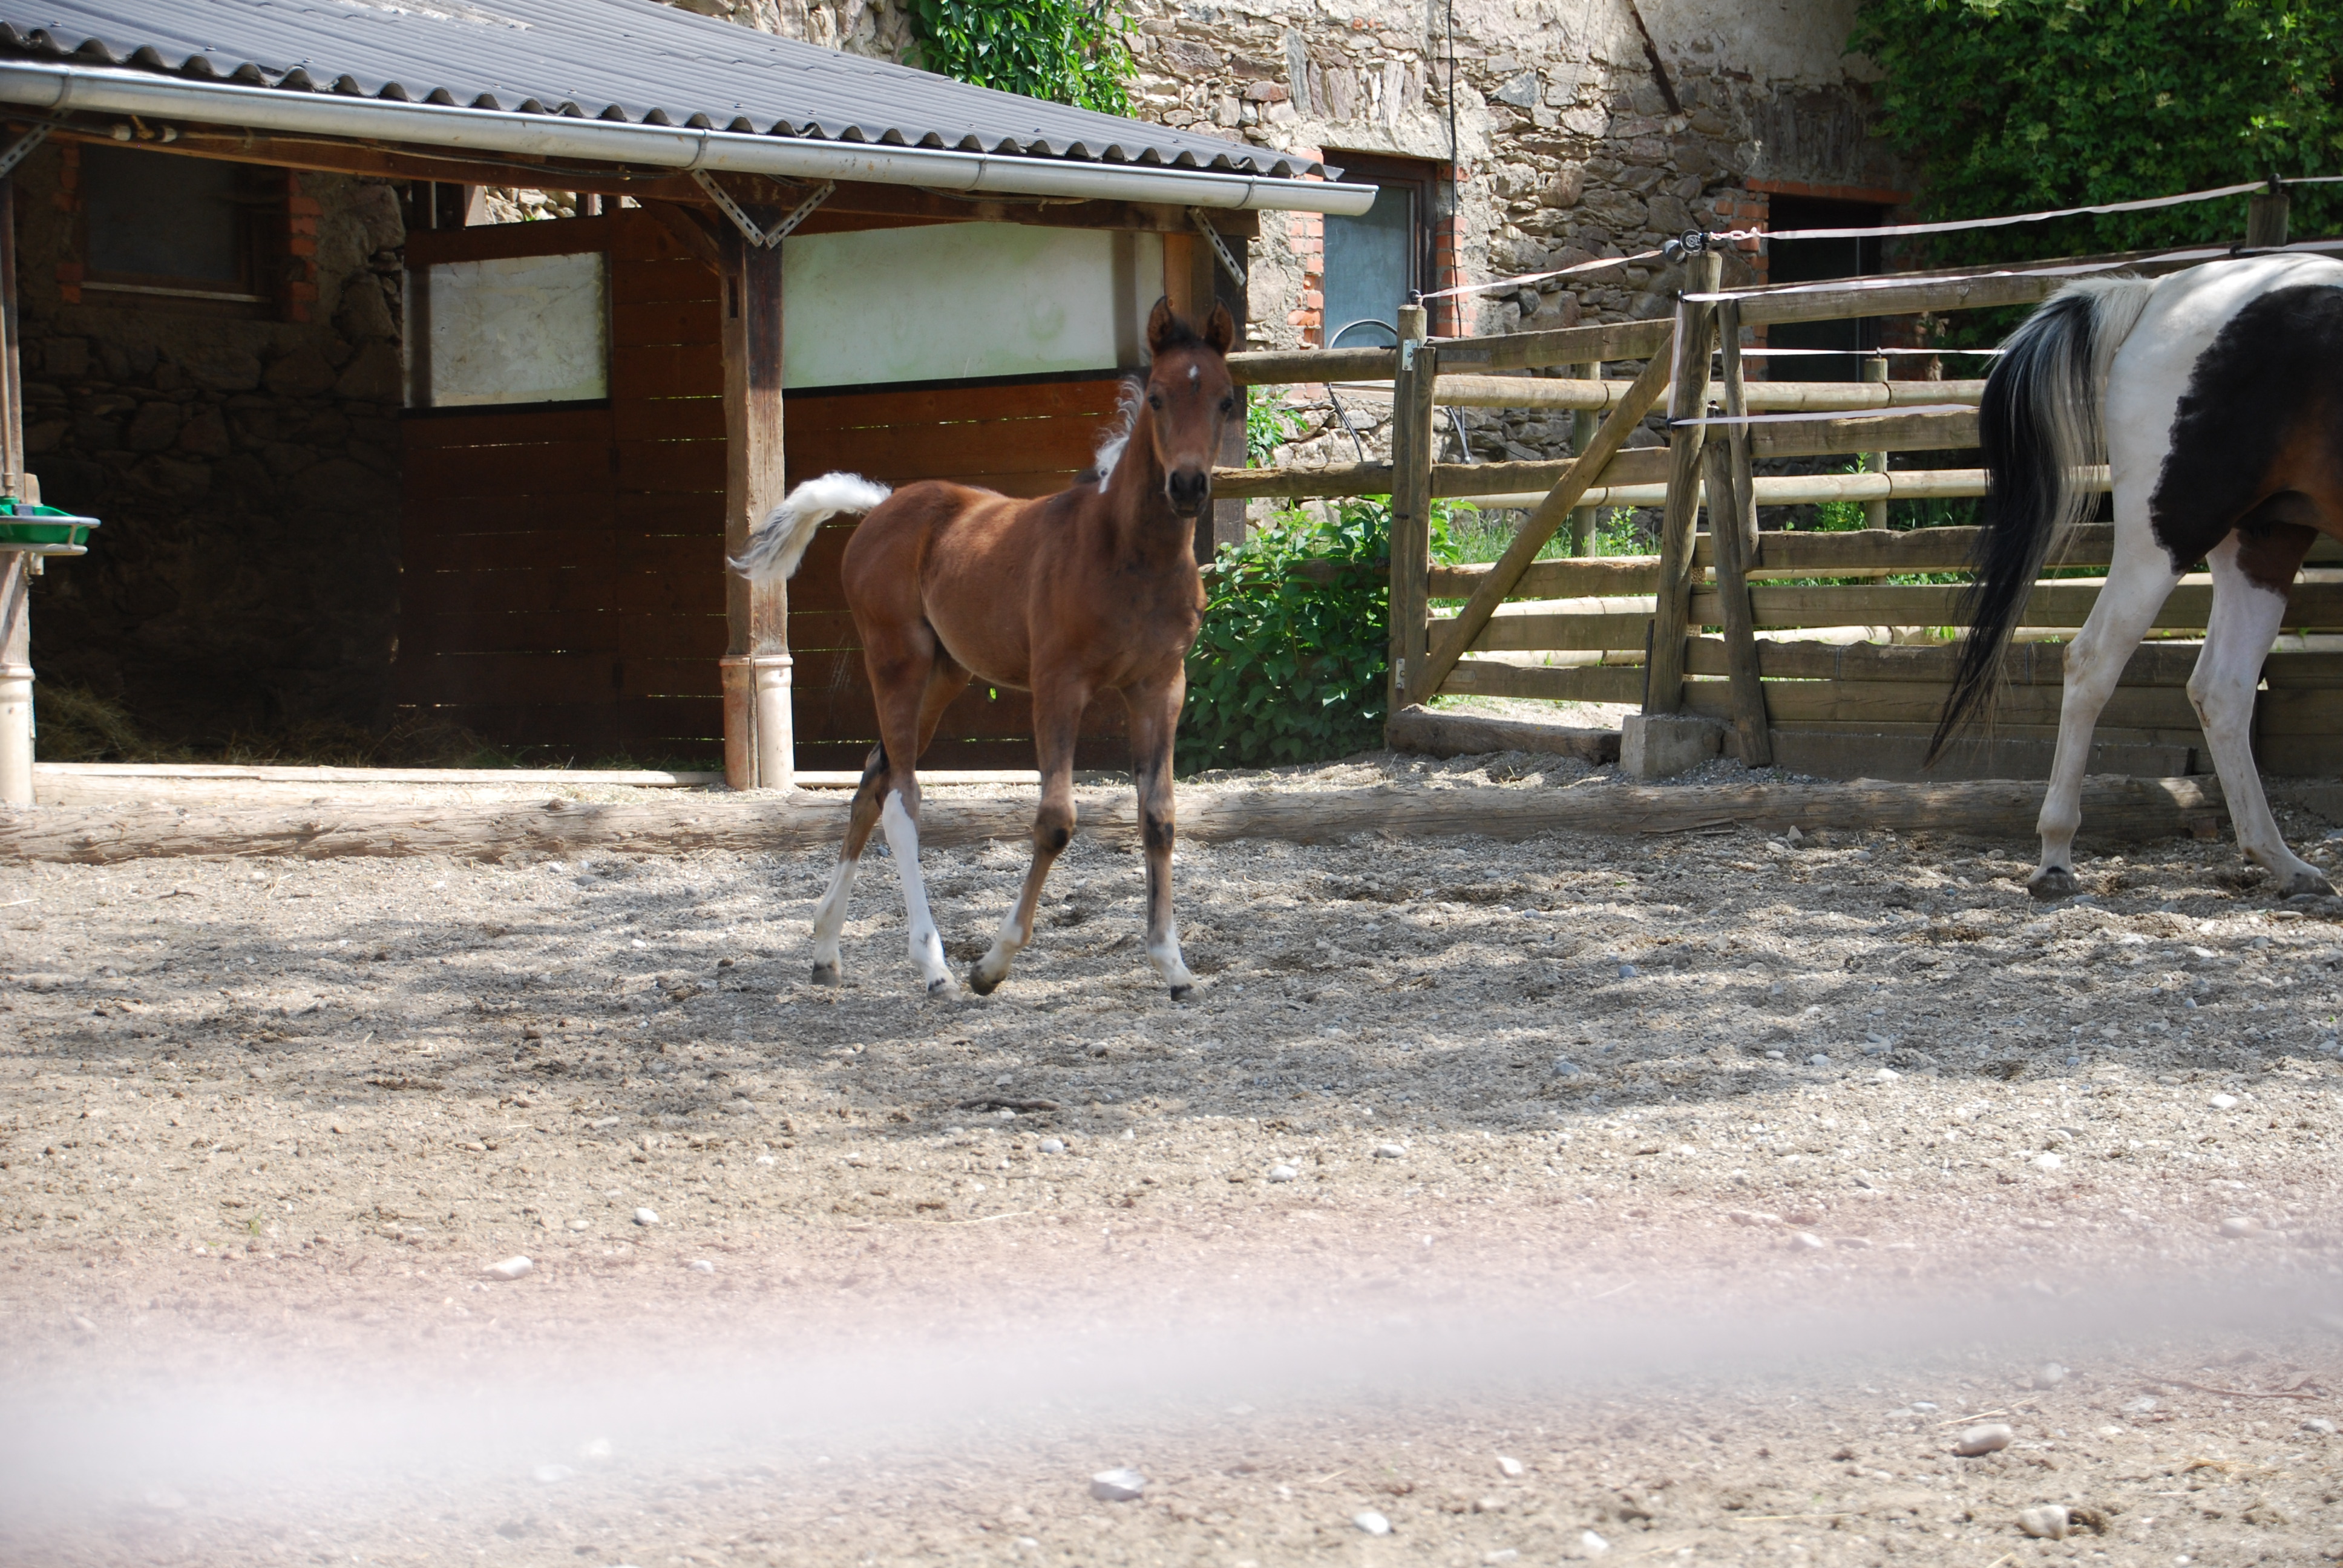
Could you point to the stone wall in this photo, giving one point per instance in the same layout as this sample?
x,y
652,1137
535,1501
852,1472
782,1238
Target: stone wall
x,y
246,470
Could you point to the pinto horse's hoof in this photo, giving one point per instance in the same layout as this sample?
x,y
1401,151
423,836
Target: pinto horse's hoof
x,y
2052,883
942,985
1183,992
2308,885
825,974
979,984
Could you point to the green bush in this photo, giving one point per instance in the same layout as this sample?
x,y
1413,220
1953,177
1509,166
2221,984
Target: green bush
x,y
1065,51
1290,662
2006,106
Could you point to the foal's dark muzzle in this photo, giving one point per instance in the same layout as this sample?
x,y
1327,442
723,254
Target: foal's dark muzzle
x,y
1189,491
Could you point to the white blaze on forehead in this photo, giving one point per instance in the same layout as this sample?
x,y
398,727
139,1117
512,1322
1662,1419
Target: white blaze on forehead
x,y
1195,373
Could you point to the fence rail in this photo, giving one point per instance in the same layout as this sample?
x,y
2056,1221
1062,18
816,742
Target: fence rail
x,y
1840,673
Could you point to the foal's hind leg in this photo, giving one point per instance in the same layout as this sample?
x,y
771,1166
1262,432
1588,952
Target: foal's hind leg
x,y
830,915
1154,719
1056,720
2138,582
2244,622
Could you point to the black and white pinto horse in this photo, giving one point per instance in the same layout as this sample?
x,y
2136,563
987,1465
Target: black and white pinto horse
x,y
2216,394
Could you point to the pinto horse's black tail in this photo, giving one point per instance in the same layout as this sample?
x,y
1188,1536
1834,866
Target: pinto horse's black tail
x,y
2040,428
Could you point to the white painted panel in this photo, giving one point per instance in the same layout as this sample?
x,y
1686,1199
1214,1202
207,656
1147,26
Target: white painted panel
x,y
513,329
934,304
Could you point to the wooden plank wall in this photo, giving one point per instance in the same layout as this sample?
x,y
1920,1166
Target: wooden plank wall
x,y
563,568
1025,440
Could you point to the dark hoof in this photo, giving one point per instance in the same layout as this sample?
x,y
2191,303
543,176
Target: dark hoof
x,y
979,984
2052,883
2308,885
825,974
942,986
1183,992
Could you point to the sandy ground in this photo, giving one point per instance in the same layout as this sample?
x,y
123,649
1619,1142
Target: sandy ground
x,y
1678,1200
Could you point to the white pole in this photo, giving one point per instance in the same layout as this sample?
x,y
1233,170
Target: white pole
x,y
15,678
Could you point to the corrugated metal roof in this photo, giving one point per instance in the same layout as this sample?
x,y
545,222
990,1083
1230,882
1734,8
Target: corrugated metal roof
x,y
624,60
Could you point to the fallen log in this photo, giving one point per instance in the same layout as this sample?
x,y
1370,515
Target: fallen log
x,y
1419,729
2115,808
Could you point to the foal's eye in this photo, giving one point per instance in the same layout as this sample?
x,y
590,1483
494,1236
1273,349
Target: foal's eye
x,y
1155,400
1229,405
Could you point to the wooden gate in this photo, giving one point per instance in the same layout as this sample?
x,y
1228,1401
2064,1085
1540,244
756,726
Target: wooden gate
x,y
1801,642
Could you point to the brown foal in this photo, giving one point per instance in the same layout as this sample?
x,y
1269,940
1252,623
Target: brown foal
x,y
1090,590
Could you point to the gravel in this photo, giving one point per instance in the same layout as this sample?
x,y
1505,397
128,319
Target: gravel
x,y
1118,1485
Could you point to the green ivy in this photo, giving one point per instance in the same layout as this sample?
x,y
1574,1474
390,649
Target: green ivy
x,y
2007,106
1290,668
1065,51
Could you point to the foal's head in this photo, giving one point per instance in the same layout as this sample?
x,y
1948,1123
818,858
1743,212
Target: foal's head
x,y
1190,401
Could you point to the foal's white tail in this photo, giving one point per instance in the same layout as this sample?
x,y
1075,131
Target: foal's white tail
x,y
778,544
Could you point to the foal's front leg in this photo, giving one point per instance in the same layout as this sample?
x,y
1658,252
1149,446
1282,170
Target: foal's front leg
x,y
1056,720
1154,721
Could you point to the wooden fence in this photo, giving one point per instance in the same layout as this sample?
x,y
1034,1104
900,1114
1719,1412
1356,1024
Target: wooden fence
x,y
1790,638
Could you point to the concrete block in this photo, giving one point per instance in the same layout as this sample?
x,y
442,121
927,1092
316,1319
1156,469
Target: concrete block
x,y
1662,745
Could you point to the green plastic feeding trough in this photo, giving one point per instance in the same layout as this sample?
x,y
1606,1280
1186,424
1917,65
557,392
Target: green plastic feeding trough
x,y
43,528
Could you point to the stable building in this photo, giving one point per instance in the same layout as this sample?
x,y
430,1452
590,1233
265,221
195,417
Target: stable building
x,y
363,457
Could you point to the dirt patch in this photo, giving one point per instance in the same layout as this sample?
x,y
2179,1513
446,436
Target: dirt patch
x,y
270,1123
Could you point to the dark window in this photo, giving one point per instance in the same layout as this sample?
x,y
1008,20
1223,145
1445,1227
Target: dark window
x,y
167,226
1375,260
1812,261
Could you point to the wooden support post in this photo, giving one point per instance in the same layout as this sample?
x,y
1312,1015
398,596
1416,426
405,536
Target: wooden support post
x,y
1411,525
17,568
1583,425
1733,533
1874,513
1663,675
2266,217
759,750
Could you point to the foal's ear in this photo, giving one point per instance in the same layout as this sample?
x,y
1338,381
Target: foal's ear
x,y
1221,328
1163,330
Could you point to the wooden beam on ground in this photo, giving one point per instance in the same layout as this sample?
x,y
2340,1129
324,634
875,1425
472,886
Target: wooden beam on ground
x,y
760,751
1446,734
1695,328
2114,809
1457,635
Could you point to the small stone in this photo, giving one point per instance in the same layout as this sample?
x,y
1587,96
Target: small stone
x,y
1565,1067
2048,1523
1053,1146
702,1266
2049,1375
1752,1217
1390,1151
1775,1056
2320,1424
2223,1102
1885,1075
551,1474
646,1217
2047,1162
1629,971
2140,1406
1594,1545
1118,1485
511,1268
1511,1468
580,1225
1818,1059
1372,1523
1282,1173
2239,1227
1990,1438
1807,1241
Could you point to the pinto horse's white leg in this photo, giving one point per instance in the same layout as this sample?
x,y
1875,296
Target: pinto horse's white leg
x,y
2138,582
903,843
2244,622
